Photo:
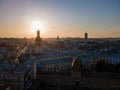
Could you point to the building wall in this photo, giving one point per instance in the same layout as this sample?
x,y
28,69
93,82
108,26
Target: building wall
x,y
57,66
16,81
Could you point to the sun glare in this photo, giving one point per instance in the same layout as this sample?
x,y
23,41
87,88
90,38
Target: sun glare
x,y
36,26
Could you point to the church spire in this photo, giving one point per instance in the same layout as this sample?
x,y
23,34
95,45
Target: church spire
x,y
38,39
38,33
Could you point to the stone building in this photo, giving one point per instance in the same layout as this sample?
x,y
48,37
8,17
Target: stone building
x,y
76,69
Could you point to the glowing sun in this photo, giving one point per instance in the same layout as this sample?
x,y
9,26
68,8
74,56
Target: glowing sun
x,y
36,26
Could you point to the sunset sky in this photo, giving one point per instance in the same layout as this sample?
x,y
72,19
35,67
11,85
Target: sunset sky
x,y
66,18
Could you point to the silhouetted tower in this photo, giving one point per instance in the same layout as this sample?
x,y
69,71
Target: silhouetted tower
x,y
86,37
58,38
38,39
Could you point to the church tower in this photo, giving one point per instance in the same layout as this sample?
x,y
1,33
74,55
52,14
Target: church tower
x,y
38,43
38,39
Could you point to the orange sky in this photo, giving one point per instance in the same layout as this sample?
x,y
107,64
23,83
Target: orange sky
x,y
70,18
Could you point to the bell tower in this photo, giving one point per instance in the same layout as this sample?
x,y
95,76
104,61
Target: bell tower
x,y
38,39
38,43
38,33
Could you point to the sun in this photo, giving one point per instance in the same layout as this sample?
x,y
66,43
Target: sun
x,y
36,26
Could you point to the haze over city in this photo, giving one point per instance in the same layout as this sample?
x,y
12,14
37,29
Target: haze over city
x,y
66,18
59,44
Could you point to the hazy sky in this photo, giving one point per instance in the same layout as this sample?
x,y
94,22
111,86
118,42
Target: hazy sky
x,y
66,18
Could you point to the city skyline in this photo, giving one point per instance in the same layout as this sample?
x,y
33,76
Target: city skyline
x,y
66,18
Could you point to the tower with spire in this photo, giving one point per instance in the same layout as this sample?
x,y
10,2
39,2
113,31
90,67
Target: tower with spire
x,y
38,39
38,43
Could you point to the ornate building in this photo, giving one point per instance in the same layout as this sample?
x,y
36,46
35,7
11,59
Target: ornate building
x,y
35,48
